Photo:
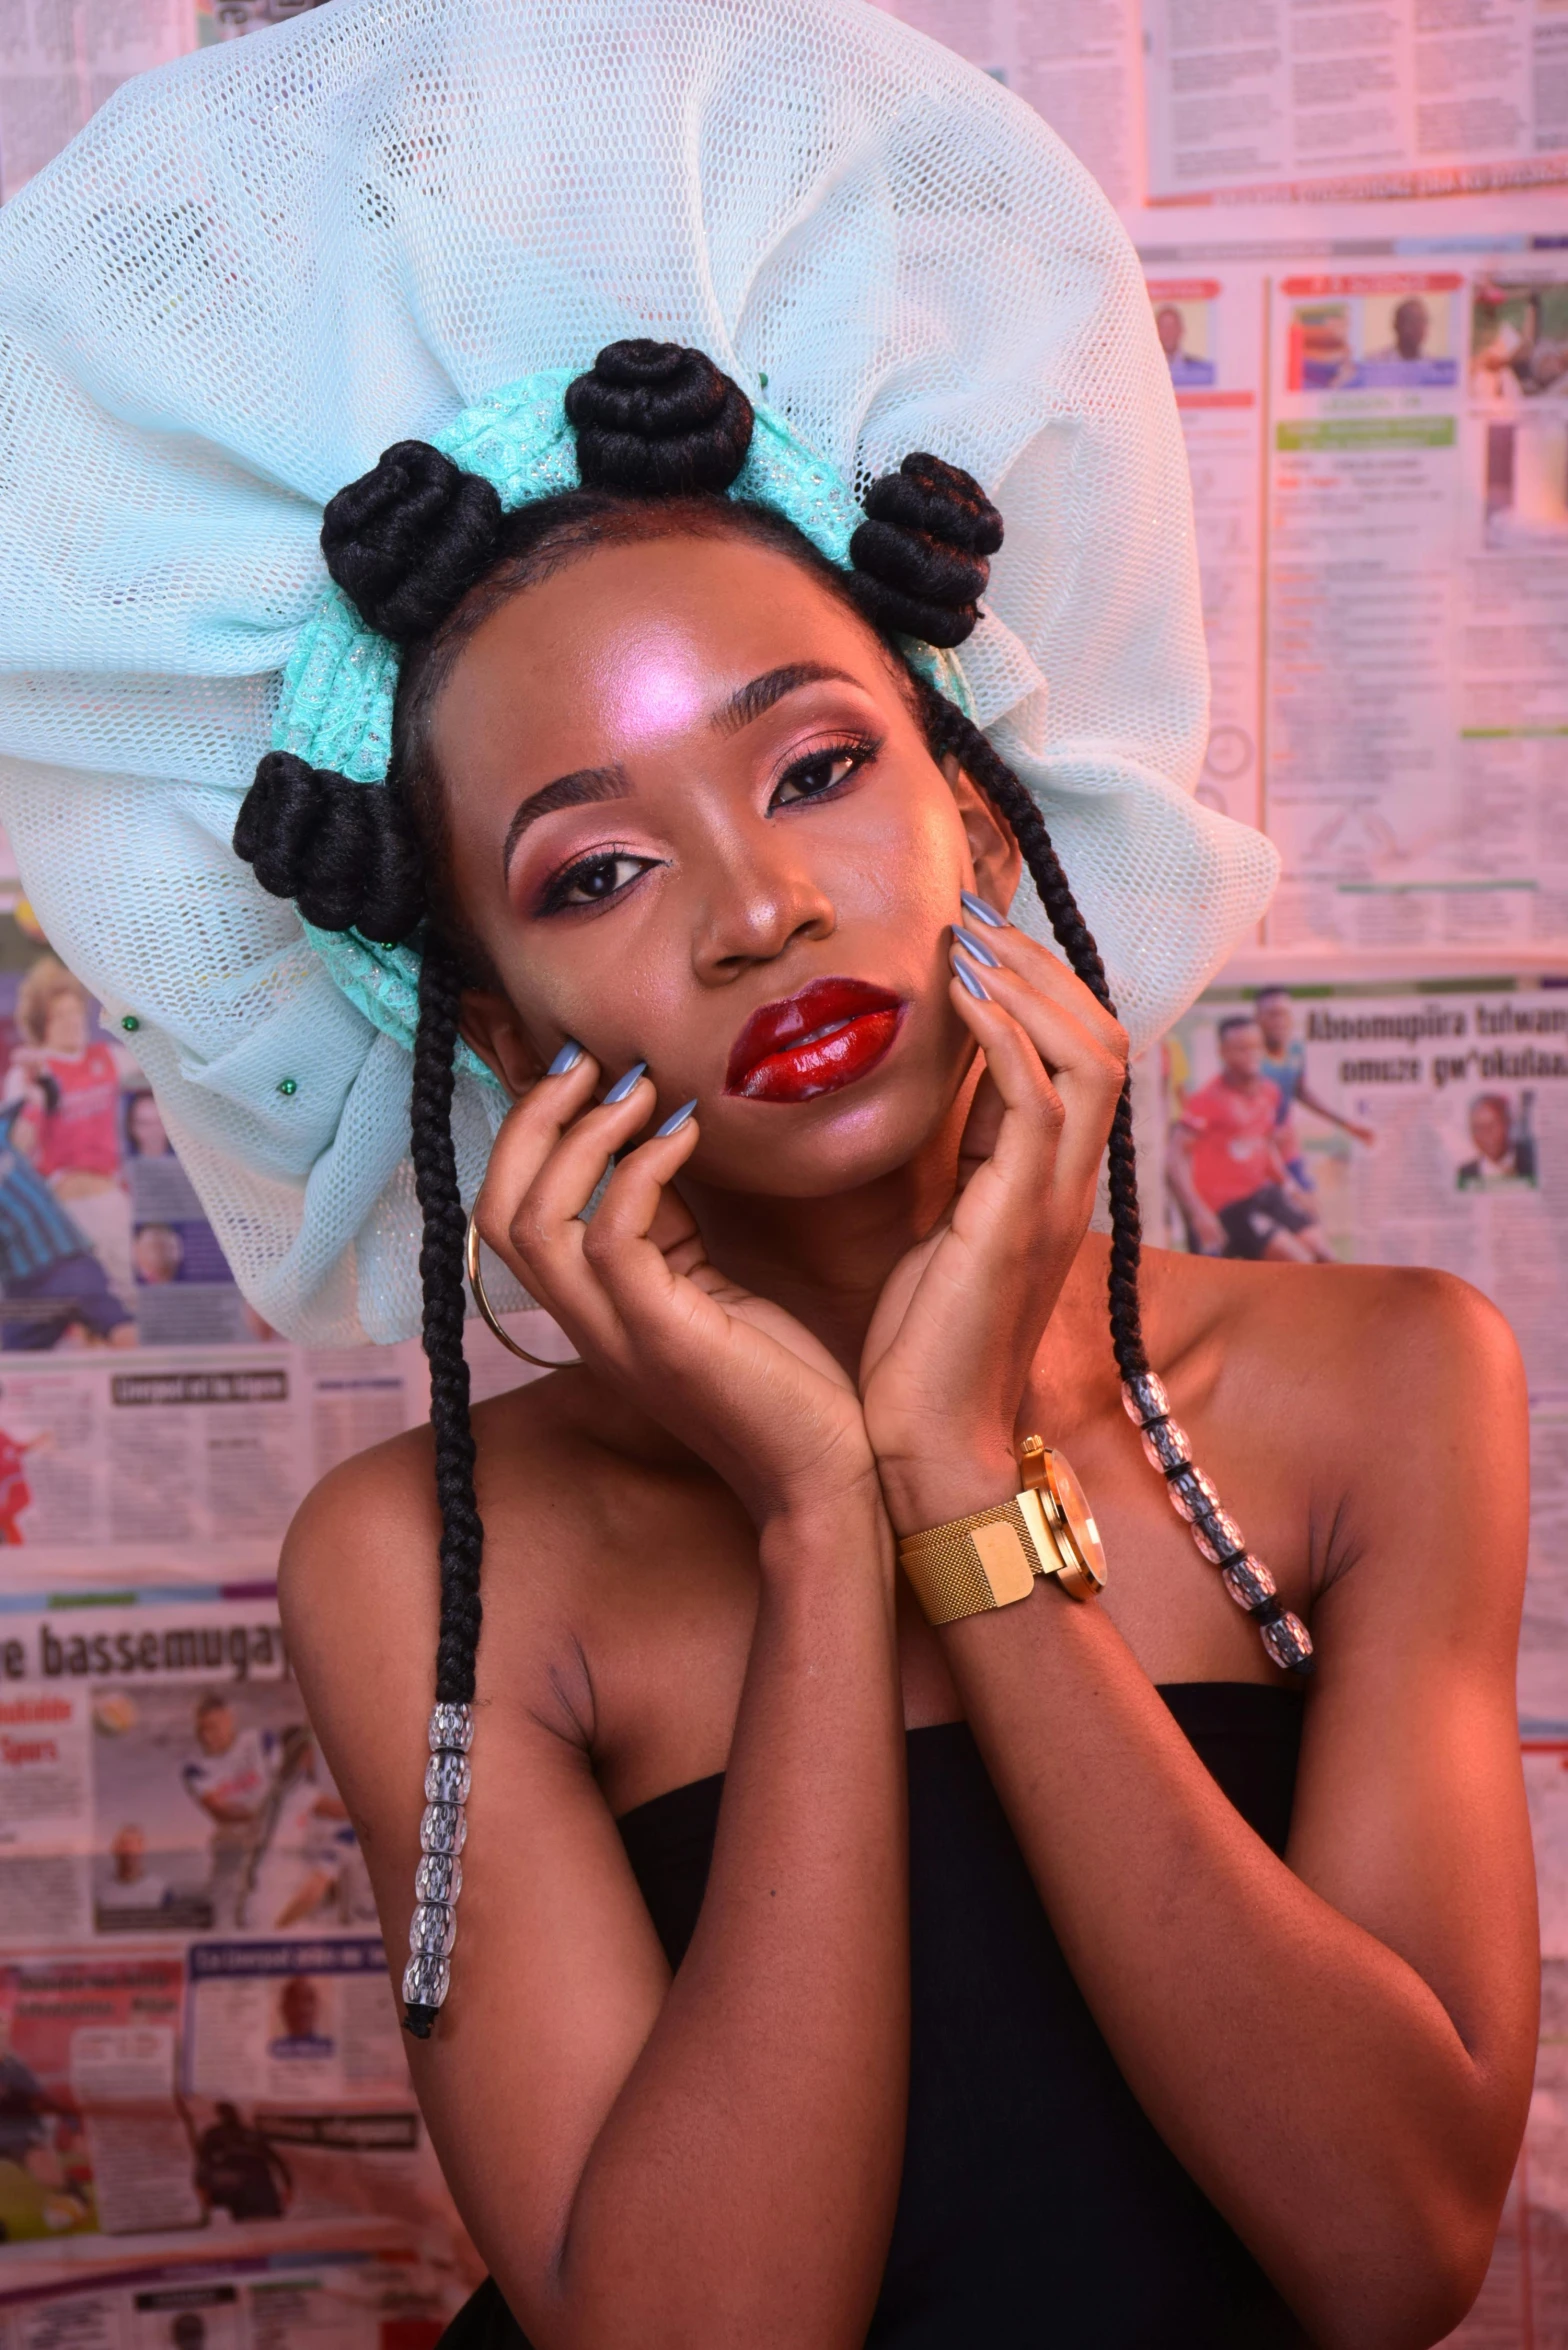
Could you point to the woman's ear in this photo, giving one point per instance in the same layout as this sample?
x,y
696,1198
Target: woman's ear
x,y
995,855
488,1023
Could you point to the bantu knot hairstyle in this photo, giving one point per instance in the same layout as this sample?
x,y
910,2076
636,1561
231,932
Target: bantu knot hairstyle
x,y
340,850
656,421
408,540
920,555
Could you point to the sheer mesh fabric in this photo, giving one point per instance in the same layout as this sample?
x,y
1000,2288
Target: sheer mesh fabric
x,y
259,266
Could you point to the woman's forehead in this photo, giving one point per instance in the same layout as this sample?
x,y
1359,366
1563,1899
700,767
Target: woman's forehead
x,y
640,641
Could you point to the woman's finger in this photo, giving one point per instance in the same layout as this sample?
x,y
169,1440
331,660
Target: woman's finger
x,y
541,1237
622,1246
1056,1088
1015,951
1076,1048
530,1131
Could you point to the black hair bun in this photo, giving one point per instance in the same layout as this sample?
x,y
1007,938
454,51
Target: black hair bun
x,y
920,555
658,421
407,540
340,850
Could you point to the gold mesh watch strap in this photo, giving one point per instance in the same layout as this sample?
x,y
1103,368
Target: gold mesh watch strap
x,y
987,1560
991,1558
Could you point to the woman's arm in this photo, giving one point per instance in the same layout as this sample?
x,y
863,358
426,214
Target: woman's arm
x,y
716,2160
643,2163
1339,2049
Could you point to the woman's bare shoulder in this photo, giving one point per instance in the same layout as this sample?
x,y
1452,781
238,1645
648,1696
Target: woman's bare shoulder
x,y
1381,1384
366,1538
1360,1323
359,1591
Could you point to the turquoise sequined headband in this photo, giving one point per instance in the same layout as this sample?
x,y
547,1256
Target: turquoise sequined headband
x,y
335,708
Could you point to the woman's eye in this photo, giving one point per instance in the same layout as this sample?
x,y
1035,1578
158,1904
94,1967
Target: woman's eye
x,y
822,772
594,880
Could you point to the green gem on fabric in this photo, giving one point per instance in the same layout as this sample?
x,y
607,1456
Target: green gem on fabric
x,y
288,1087
130,1023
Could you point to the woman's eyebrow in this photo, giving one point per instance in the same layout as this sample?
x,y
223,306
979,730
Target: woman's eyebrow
x,y
762,692
577,790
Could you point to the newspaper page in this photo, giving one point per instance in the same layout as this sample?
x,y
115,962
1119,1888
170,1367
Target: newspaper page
x,y
198,2031
59,61
1423,1122
1378,436
331,2297
151,1423
1075,61
1255,100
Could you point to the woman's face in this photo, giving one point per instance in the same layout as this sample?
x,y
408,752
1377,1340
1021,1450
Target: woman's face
x,y
148,1138
693,822
65,1022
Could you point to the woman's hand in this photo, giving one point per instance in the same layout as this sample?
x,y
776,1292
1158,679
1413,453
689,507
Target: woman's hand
x,y
734,1376
955,1332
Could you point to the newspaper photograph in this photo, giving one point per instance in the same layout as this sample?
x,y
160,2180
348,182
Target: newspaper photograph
x,y
103,1242
1423,1123
158,1777
197,2026
91,2136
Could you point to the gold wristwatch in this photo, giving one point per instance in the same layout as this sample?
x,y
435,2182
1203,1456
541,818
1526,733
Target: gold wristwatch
x,y
991,1558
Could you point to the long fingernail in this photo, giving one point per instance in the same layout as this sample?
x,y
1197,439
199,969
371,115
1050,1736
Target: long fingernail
x,y
623,1085
981,911
978,948
567,1058
966,978
676,1120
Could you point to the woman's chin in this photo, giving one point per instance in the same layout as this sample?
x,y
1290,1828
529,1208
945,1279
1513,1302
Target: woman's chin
x,y
835,1143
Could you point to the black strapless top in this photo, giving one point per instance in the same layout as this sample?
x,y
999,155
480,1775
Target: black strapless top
x,y
1039,2209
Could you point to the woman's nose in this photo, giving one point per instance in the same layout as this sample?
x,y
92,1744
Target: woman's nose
x,y
758,899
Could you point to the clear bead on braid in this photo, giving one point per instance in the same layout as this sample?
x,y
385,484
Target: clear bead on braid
x,y
442,1834
1214,1530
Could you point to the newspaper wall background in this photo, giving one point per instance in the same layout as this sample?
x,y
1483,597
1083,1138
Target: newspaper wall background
x,y
1423,1122
207,2138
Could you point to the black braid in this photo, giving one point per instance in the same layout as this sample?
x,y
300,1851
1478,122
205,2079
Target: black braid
x,y
441,1274
950,732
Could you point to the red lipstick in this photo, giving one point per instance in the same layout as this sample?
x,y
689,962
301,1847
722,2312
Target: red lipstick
x,y
834,1032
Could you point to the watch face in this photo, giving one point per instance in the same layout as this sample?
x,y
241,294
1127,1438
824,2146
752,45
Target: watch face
x,y
1077,1516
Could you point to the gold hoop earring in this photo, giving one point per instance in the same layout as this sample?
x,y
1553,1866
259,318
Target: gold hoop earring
x,y
476,1284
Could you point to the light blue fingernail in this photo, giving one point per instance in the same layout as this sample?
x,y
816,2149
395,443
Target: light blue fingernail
x,y
676,1120
623,1085
978,948
966,978
981,911
567,1058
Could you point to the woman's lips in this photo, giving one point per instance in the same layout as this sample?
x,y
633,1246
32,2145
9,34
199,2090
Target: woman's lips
x,y
833,1032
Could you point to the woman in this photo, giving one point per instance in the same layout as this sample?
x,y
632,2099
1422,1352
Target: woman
x,y
711,894
871,1932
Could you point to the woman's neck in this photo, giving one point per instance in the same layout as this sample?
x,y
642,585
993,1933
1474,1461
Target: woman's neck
x,y
825,1260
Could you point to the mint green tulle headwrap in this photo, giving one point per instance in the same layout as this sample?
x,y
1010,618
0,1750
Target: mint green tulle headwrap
x,y
260,266
335,709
